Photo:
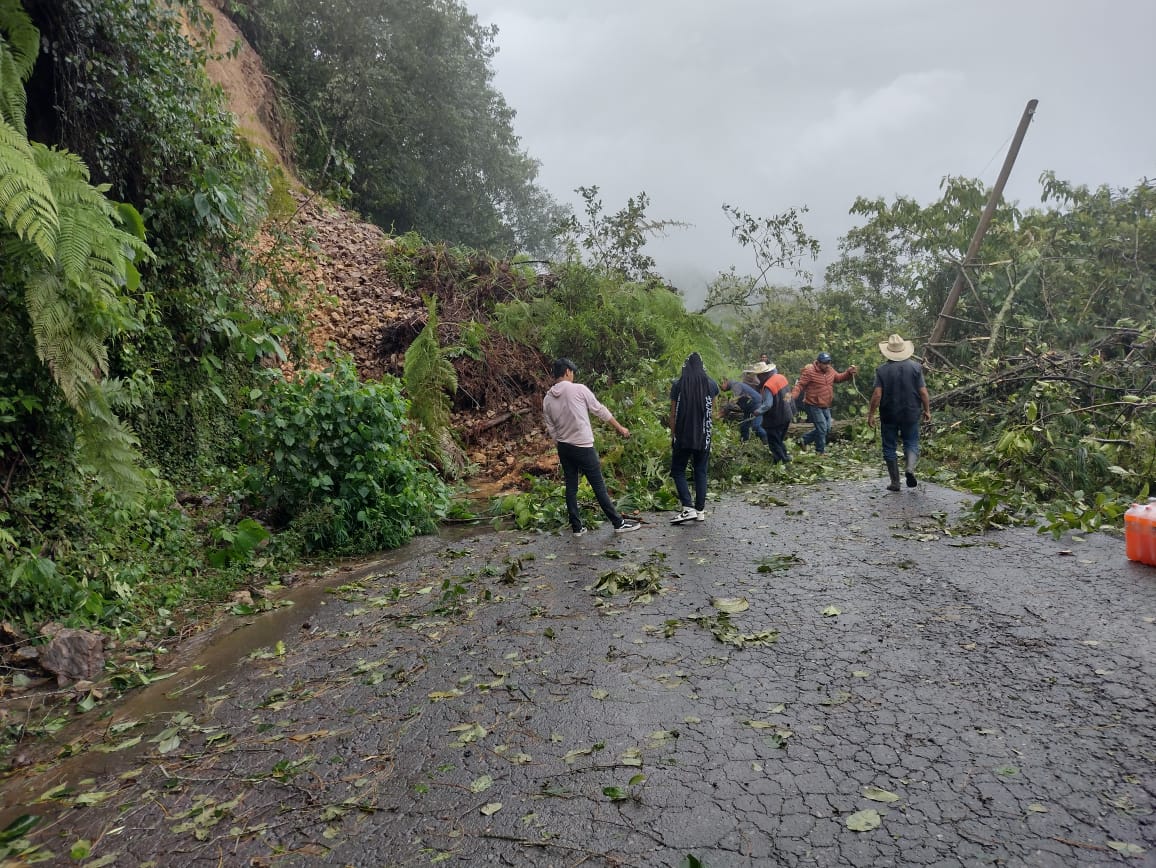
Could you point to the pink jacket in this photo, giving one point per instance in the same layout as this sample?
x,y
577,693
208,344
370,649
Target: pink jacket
x,y
567,407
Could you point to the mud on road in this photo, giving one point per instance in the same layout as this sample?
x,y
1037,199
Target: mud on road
x,y
831,679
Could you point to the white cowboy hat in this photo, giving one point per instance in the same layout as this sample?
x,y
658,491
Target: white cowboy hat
x,y
897,349
760,368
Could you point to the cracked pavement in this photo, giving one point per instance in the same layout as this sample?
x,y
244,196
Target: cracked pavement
x,y
469,700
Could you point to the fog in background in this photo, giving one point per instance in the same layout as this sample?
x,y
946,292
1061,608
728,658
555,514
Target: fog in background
x,y
765,104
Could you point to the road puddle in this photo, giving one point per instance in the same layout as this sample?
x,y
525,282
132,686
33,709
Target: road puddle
x,y
200,669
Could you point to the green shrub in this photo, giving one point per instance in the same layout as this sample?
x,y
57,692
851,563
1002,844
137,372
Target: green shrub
x,y
330,459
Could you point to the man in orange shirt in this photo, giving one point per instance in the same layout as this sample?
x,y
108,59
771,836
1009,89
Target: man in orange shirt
x,y
816,389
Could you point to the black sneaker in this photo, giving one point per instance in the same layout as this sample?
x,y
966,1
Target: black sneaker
x,y
628,524
580,532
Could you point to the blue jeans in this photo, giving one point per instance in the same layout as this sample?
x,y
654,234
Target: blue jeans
x,y
678,461
580,461
820,417
892,432
755,423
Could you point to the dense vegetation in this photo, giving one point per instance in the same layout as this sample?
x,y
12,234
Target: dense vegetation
x,y
149,443
152,452
393,101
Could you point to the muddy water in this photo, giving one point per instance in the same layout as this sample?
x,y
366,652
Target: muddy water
x,y
205,665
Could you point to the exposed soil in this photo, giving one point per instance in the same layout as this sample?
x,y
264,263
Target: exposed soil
x,y
355,304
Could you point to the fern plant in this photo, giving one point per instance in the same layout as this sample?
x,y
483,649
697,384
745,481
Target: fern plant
x,y
75,252
430,380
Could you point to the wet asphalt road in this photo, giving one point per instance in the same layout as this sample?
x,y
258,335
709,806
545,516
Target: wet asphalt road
x,y
471,701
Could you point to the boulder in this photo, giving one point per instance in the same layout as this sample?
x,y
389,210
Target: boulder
x,y
73,655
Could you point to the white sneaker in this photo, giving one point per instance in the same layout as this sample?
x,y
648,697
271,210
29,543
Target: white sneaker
x,y
689,513
701,516
628,524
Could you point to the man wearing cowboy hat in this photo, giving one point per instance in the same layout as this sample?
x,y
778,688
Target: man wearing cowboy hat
x,y
775,410
899,395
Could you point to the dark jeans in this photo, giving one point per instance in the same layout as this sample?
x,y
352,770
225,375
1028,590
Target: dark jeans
x,y
754,423
776,437
821,418
891,432
678,461
578,461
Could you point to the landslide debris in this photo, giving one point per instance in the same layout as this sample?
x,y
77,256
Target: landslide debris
x,y
354,302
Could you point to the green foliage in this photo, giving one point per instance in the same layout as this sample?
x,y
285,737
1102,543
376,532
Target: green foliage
x,y
70,551
403,89
64,247
777,243
123,87
1052,275
19,46
330,460
607,326
613,242
430,379
1066,448
238,543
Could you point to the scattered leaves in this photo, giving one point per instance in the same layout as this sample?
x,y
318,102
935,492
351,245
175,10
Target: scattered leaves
x,y
721,627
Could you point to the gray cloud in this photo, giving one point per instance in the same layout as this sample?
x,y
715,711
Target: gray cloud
x,y
766,104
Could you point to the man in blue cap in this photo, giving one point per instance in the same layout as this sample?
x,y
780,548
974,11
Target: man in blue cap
x,y
816,389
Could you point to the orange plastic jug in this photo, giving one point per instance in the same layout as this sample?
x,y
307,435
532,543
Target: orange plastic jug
x,y
1140,533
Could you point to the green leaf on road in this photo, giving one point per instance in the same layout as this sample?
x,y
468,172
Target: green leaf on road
x,y
481,784
877,795
632,756
491,808
1127,849
19,827
864,821
731,605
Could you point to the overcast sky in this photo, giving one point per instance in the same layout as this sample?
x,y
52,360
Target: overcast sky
x,y
766,104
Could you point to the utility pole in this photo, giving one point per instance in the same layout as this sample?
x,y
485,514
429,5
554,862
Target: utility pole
x,y
981,229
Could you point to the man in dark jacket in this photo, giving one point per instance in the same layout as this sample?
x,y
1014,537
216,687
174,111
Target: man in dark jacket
x,y
747,398
900,395
691,424
776,408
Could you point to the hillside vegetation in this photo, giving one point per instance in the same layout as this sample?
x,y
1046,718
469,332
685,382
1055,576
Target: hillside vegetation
x,y
209,370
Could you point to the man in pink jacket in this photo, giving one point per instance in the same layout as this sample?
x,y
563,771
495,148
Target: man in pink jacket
x,y
567,408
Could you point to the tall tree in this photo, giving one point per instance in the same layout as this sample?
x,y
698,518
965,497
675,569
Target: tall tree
x,y
1054,275
404,89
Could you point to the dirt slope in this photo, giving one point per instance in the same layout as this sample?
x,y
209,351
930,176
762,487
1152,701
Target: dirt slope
x,y
357,306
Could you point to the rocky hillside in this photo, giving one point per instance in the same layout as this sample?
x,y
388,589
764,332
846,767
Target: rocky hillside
x,y
357,306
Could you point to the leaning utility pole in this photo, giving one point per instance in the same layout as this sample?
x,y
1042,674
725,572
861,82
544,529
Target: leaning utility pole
x,y
981,229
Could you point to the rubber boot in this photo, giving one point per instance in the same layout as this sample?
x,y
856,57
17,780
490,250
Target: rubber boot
x,y
893,472
912,458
